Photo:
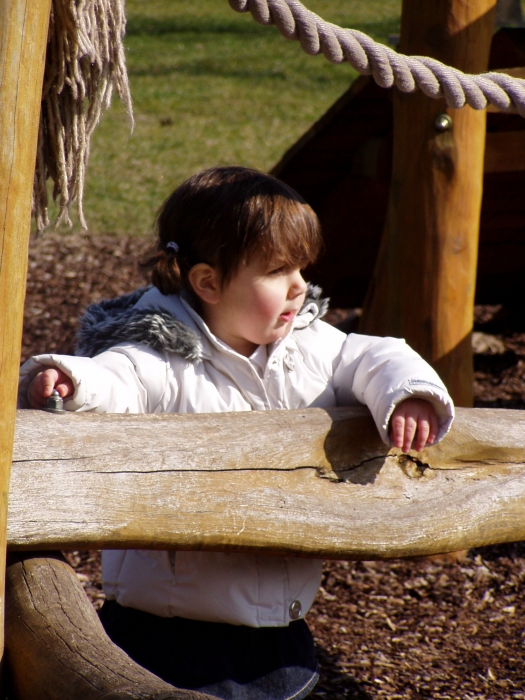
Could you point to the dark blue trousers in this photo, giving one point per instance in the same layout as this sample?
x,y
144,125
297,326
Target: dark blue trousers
x,y
227,661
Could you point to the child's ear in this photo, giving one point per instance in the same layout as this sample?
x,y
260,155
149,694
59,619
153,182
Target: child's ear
x,y
205,283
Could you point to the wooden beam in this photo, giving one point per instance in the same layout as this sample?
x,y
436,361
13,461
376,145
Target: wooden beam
x,y
505,152
424,282
315,483
23,36
56,647
517,72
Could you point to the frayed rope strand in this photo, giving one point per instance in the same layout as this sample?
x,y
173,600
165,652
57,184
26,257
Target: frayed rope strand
x,y
84,62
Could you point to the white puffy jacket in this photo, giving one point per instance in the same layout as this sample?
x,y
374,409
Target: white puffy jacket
x,y
314,366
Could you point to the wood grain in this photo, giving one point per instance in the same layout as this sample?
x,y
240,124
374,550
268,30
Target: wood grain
x,y
315,483
56,647
505,152
23,36
425,276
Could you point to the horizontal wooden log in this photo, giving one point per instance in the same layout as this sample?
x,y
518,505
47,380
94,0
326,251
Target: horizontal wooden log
x,y
505,152
315,483
57,649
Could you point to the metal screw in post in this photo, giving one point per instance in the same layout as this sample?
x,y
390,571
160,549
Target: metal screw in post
x,y
54,404
443,122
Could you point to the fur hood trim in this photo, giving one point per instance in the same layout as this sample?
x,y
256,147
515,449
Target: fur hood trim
x,y
114,321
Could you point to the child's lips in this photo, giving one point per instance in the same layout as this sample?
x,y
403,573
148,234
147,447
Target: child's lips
x,y
288,316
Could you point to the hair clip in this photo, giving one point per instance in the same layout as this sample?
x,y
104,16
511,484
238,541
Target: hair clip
x,y
173,246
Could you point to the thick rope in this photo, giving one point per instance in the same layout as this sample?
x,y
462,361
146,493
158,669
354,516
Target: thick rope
x,y
84,62
388,68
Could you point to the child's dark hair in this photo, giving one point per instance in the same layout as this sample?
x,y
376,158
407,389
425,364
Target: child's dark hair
x,y
221,216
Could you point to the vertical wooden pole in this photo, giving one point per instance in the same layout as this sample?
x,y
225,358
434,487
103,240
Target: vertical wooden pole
x,y
23,38
424,281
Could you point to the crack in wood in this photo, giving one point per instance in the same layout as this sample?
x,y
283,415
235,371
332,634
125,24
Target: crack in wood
x,y
205,470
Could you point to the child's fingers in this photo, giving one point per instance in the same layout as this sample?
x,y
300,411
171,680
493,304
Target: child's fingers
x,y
43,385
434,428
65,388
423,431
49,378
414,424
410,431
397,430
35,392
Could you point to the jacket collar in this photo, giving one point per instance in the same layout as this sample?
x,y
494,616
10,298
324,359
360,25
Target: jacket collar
x,y
168,323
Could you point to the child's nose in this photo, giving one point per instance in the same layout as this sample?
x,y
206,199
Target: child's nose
x,y
297,285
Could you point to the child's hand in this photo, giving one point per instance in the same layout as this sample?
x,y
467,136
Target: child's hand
x,y
414,420
43,385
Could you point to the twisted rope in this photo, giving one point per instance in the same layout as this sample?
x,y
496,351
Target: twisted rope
x,y
84,62
388,68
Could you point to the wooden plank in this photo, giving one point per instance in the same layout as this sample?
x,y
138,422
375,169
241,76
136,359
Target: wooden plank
x,y
425,277
518,72
505,152
57,648
322,157
315,483
324,124
23,36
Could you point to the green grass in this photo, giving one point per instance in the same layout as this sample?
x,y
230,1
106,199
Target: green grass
x,y
210,86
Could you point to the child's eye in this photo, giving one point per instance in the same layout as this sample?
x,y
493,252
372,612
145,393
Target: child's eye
x,y
284,269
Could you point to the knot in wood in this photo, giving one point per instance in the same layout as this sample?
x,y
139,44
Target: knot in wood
x,y
413,467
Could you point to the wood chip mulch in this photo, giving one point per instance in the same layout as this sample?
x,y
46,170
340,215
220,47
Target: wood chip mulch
x,y
439,629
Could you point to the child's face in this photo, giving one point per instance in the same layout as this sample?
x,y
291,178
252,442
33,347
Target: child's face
x,y
257,306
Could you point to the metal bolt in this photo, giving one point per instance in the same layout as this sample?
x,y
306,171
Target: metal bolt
x,y
443,122
54,404
296,609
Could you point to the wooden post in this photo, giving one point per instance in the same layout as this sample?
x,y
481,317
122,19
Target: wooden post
x,y
56,646
424,281
23,37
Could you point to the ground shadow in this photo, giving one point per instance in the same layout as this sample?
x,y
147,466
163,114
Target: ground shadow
x,y
334,682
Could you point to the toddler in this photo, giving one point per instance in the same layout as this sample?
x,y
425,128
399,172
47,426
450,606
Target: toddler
x,y
229,324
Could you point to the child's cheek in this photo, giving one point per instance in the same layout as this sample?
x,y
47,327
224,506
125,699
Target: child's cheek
x,y
270,304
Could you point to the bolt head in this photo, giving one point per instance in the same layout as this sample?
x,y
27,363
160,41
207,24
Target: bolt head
x,y
54,404
443,122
